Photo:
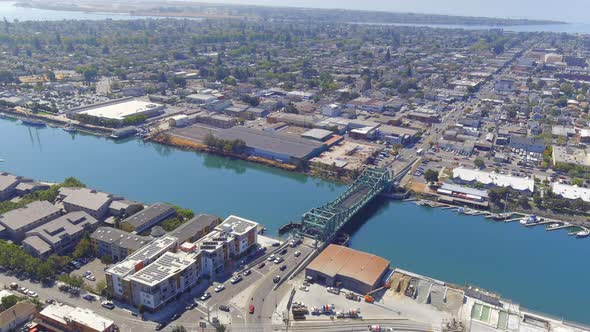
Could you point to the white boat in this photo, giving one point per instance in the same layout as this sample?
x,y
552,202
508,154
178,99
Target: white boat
x,y
531,219
552,226
2,160
2,115
583,233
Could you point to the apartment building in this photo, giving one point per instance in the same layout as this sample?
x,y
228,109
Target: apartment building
x,y
14,224
115,243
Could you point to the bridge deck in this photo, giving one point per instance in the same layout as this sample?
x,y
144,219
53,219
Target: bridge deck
x,y
323,223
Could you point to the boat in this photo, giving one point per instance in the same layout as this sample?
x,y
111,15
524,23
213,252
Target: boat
x,y
552,226
461,210
2,160
69,128
583,233
34,123
2,115
531,219
501,216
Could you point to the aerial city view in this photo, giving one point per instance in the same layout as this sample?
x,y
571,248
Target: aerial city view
x,y
260,165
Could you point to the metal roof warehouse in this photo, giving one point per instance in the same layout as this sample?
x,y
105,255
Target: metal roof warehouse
x,y
348,268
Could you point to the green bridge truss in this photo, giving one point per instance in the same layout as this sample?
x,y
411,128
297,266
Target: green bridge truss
x,y
324,222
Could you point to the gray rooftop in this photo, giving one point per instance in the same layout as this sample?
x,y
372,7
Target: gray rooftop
x,y
32,212
84,197
37,243
271,141
67,225
120,238
7,180
317,134
193,226
148,214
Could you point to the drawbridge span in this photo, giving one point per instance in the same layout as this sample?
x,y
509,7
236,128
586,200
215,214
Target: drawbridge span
x,y
322,223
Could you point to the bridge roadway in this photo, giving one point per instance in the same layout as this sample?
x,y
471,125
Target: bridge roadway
x,y
324,222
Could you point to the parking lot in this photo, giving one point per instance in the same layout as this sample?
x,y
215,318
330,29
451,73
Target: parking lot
x,y
96,269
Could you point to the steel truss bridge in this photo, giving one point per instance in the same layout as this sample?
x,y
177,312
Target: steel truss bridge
x,y
324,222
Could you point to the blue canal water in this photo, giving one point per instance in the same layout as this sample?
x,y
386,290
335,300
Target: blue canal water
x,y
545,271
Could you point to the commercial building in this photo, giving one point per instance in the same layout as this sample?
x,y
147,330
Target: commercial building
x,y
168,276
17,315
148,217
118,110
348,268
194,229
93,202
397,135
571,192
228,241
117,276
452,193
528,144
316,134
489,180
58,235
62,317
570,155
115,243
273,145
19,221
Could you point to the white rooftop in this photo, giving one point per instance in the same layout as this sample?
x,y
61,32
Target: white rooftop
x,y
89,318
500,180
571,192
119,111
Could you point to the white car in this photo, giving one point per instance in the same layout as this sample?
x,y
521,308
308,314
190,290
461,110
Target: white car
x,y
219,288
297,253
304,288
271,258
32,294
108,304
91,277
205,296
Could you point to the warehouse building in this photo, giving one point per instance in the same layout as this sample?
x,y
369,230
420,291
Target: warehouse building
x,y
118,110
347,268
274,145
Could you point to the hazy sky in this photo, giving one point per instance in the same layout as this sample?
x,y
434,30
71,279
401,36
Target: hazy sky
x,y
565,10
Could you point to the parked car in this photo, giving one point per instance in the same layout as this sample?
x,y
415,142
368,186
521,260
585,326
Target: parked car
x,y
236,279
32,294
247,272
89,297
161,325
283,268
297,253
304,288
224,307
251,309
191,306
205,296
276,244
261,265
219,288
108,304
271,258
284,251
276,279
279,260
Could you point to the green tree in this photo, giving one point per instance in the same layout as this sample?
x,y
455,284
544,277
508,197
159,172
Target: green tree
x,y
479,163
431,175
83,248
9,301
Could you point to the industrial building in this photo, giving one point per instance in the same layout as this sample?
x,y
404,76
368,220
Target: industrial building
x,y
347,268
273,145
118,110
